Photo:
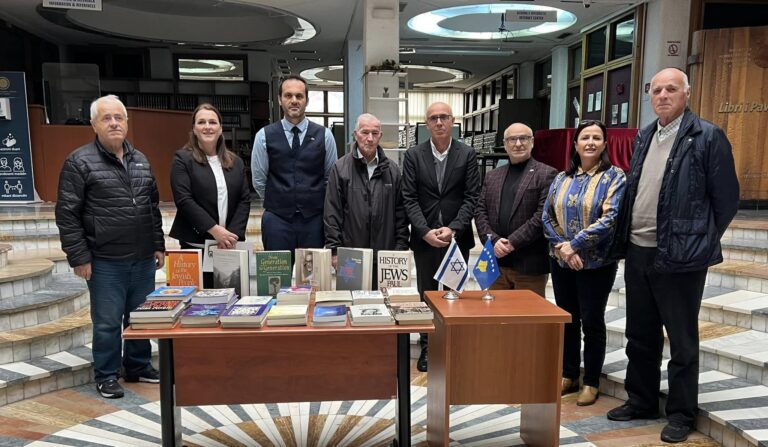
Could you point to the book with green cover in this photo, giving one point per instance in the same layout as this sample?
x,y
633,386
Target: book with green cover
x,y
273,271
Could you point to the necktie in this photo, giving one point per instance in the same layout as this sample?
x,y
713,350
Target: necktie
x,y
296,143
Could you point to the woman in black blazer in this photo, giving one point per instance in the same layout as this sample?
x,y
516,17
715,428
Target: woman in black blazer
x,y
210,188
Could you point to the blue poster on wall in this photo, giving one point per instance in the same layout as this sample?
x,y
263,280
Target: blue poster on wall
x,y
16,180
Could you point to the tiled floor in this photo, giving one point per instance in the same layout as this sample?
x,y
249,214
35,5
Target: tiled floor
x,y
79,417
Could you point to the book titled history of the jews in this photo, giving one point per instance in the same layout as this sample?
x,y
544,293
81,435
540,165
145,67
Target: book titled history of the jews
x,y
394,268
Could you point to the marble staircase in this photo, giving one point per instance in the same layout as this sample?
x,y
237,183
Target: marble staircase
x,y
45,327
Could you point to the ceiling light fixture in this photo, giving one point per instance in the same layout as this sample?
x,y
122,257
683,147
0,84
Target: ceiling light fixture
x,y
431,22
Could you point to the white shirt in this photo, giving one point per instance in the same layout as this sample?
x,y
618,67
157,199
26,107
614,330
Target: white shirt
x,y
222,199
437,154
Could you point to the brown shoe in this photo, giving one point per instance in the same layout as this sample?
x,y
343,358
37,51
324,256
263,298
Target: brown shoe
x,y
569,386
587,396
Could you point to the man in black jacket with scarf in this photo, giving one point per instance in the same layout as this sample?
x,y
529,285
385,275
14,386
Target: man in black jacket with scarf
x,y
682,193
363,201
111,230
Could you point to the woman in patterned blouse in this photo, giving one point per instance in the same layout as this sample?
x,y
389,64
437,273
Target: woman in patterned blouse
x,y
579,221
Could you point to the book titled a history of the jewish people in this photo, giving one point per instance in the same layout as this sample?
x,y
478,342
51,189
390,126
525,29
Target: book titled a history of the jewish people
x,y
394,268
273,271
184,267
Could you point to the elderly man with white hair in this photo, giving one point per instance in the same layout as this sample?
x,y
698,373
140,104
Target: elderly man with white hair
x,y
111,231
363,201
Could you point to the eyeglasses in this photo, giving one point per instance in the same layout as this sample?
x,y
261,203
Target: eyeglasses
x,y
435,118
522,139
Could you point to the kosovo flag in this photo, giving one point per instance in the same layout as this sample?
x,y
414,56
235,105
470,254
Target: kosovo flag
x,y
487,269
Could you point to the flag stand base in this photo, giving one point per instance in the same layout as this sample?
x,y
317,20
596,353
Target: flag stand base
x,y
488,296
451,295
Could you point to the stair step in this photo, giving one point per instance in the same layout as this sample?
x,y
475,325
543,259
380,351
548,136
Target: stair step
x,y
65,369
731,409
19,345
64,295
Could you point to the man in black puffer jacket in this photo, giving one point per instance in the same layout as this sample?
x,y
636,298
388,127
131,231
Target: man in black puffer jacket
x,y
682,193
111,230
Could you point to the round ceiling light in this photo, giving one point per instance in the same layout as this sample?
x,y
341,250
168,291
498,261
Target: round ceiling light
x,y
418,75
467,22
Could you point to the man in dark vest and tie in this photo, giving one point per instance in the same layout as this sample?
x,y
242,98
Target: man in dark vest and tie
x,y
290,164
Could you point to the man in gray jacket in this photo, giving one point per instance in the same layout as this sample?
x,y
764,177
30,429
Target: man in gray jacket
x,y
363,201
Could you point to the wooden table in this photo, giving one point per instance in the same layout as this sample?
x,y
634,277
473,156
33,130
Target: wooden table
x,y
207,366
508,350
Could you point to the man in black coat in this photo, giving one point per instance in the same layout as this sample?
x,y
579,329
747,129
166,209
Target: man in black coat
x,y
441,184
363,201
682,193
112,232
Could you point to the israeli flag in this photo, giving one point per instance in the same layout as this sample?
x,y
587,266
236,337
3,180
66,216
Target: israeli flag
x,y
453,271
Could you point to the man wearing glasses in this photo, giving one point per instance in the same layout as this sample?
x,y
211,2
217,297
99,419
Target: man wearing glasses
x,y
509,210
363,201
441,184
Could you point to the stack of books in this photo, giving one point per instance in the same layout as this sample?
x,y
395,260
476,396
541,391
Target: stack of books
x,y
288,315
371,315
202,315
330,316
214,296
333,298
412,313
294,295
249,311
157,314
367,297
397,295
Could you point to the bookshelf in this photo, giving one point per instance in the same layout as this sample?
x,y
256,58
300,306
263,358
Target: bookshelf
x,y
383,100
244,106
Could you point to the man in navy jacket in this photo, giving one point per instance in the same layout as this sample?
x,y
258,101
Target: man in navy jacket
x,y
682,193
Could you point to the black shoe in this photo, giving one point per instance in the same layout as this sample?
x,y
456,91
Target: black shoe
x,y
627,413
675,432
110,389
421,365
149,375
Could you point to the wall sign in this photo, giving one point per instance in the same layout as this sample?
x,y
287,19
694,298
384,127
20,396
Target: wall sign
x,y
88,5
16,180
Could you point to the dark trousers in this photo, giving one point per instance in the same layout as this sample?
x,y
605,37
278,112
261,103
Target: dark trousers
x,y
672,301
427,261
583,294
298,232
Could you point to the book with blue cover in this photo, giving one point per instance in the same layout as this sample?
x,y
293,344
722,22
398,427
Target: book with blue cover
x,y
245,315
171,292
202,315
324,314
354,268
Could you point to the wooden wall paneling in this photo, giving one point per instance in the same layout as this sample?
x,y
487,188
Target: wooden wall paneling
x,y
733,94
159,134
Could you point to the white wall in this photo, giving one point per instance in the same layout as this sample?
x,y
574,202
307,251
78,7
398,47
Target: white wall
x,y
666,24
